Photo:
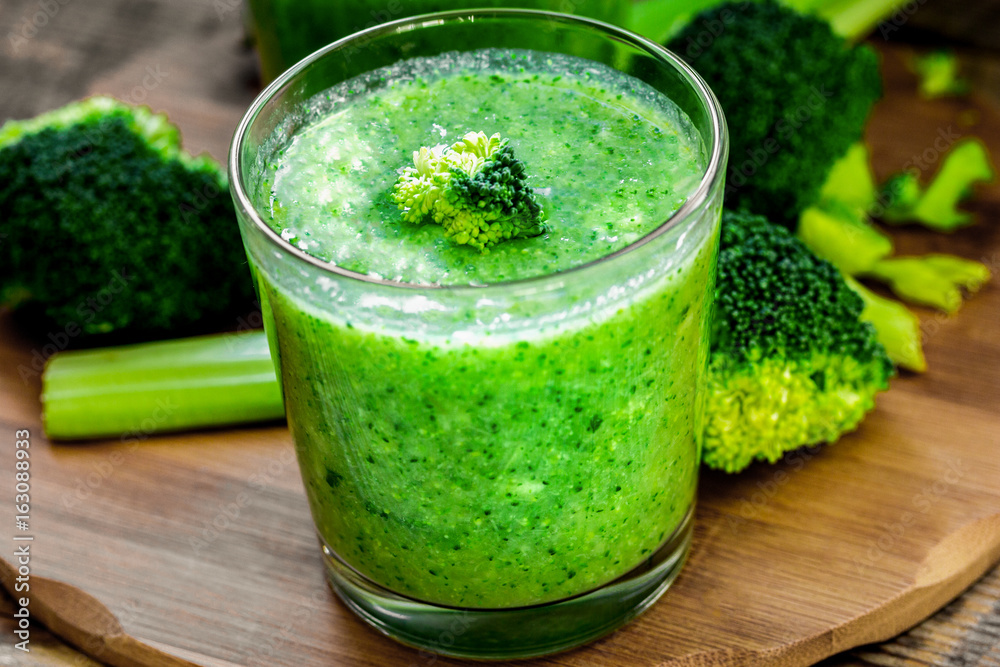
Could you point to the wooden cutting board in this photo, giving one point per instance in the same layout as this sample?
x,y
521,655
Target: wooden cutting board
x,y
202,544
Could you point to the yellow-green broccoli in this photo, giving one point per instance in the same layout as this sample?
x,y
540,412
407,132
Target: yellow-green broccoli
x,y
793,362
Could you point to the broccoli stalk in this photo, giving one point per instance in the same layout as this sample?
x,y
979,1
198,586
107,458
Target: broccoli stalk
x,y
792,362
110,228
837,229
934,280
164,386
898,329
476,189
842,237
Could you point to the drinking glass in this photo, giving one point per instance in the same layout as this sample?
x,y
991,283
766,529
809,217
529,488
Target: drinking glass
x,y
496,471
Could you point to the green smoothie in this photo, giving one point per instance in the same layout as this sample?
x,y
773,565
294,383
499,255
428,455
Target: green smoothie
x,y
483,456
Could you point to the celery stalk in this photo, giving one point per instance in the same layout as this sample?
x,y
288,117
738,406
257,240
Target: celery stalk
x,y
164,386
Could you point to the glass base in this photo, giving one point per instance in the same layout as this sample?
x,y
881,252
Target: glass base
x,y
523,632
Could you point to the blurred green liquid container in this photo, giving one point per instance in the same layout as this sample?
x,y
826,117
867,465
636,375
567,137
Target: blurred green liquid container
x,y
288,30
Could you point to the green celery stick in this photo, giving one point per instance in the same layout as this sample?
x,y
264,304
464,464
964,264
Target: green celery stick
x,y
133,391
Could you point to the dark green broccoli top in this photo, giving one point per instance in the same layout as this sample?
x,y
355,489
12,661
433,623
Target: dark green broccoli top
x,y
775,296
107,229
796,96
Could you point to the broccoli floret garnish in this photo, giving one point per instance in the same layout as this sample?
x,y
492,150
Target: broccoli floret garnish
x,y
965,165
796,96
476,189
792,364
110,228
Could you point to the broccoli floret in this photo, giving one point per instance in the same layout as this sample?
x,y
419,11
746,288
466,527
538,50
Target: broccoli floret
x,y
476,189
109,227
792,364
965,165
796,96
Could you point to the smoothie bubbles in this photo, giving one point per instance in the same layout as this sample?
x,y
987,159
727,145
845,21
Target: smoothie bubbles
x,y
485,248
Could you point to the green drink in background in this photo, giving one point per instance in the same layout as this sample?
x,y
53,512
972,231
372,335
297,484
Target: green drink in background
x,y
498,447
288,30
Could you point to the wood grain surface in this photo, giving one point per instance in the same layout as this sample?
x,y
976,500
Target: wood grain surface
x,y
201,544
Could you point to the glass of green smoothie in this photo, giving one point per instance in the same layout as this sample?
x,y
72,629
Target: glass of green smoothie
x,y
285,31
485,245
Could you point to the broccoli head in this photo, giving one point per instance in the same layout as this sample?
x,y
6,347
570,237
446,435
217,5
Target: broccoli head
x,y
796,96
109,227
476,189
792,364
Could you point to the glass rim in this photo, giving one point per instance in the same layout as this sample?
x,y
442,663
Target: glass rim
x,y
695,202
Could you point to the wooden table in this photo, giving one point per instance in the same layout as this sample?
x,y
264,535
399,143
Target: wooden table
x,y
190,58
